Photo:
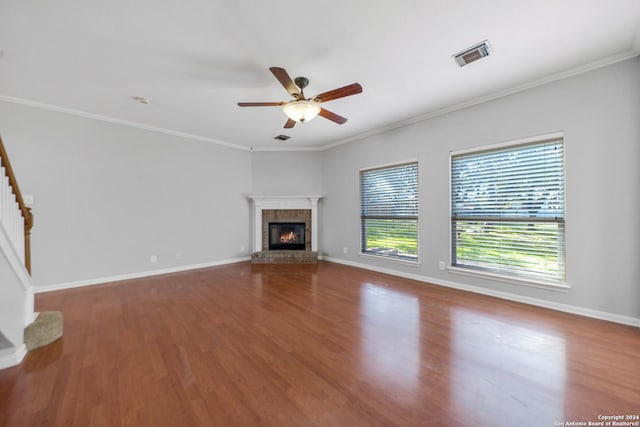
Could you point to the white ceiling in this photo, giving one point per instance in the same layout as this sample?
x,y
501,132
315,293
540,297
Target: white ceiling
x,y
194,59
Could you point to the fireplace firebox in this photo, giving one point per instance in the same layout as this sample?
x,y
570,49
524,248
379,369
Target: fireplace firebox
x,y
287,236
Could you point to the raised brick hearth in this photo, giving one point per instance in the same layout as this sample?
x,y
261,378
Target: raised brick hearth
x,y
297,209
284,257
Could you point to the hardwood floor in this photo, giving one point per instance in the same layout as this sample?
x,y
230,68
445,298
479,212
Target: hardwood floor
x,y
325,345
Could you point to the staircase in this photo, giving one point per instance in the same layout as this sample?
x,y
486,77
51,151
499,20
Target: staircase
x,y
16,289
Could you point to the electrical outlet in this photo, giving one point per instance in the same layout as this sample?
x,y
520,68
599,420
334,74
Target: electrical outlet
x,y
242,249
441,265
178,255
344,250
153,259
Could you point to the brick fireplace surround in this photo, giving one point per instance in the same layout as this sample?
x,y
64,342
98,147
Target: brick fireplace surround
x,y
268,209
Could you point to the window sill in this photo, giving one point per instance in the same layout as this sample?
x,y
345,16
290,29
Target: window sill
x,y
391,259
552,286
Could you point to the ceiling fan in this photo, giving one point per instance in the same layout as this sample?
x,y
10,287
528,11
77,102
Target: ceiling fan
x,y
302,109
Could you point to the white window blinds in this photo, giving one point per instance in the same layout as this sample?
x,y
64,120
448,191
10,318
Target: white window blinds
x,y
389,211
507,210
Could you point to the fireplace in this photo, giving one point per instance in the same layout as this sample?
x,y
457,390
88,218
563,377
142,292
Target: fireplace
x,y
285,230
287,236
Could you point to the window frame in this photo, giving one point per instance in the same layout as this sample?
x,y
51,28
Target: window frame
x,y
557,285
379,256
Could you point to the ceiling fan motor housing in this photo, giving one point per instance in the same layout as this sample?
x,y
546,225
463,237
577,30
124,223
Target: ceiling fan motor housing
x,y
301,82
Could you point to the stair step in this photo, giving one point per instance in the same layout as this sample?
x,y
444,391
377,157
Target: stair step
x,y
44,330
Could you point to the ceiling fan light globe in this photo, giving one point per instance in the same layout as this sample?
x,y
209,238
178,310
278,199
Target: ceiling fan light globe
x,y
301,110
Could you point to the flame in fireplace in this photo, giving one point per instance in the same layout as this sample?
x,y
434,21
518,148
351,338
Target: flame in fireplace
x,y
288,237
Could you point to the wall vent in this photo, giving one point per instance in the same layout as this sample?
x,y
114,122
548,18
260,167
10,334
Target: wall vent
x,y
473,53
282,137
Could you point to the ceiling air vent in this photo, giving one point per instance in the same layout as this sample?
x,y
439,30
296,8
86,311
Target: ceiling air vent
x,y
473,53
282,137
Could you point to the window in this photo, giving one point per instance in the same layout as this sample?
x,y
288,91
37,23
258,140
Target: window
x,y
507,210
389,217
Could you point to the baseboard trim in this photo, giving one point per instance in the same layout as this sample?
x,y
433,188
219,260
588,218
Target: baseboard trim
x,y
567,308
109,279
572,309
12,357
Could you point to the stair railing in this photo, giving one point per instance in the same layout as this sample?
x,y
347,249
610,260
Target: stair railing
x,y
16,218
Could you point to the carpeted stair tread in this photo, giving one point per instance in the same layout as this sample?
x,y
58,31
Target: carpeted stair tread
x,y
44,330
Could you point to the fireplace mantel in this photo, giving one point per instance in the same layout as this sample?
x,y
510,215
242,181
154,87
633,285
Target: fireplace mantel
x,y
284,202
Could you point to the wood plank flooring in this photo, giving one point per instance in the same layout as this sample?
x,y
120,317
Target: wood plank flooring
x,y
325,345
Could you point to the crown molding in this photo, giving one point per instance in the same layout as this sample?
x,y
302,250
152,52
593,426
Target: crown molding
x,y
107,119
632,53
614,59
313,149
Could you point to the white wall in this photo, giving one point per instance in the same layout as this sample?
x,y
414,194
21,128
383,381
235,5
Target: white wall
x,y
599,112
108,196
287,173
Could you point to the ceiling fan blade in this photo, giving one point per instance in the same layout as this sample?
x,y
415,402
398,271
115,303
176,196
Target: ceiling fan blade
x,y
260,104
290,123
348,90
284,79
332,116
